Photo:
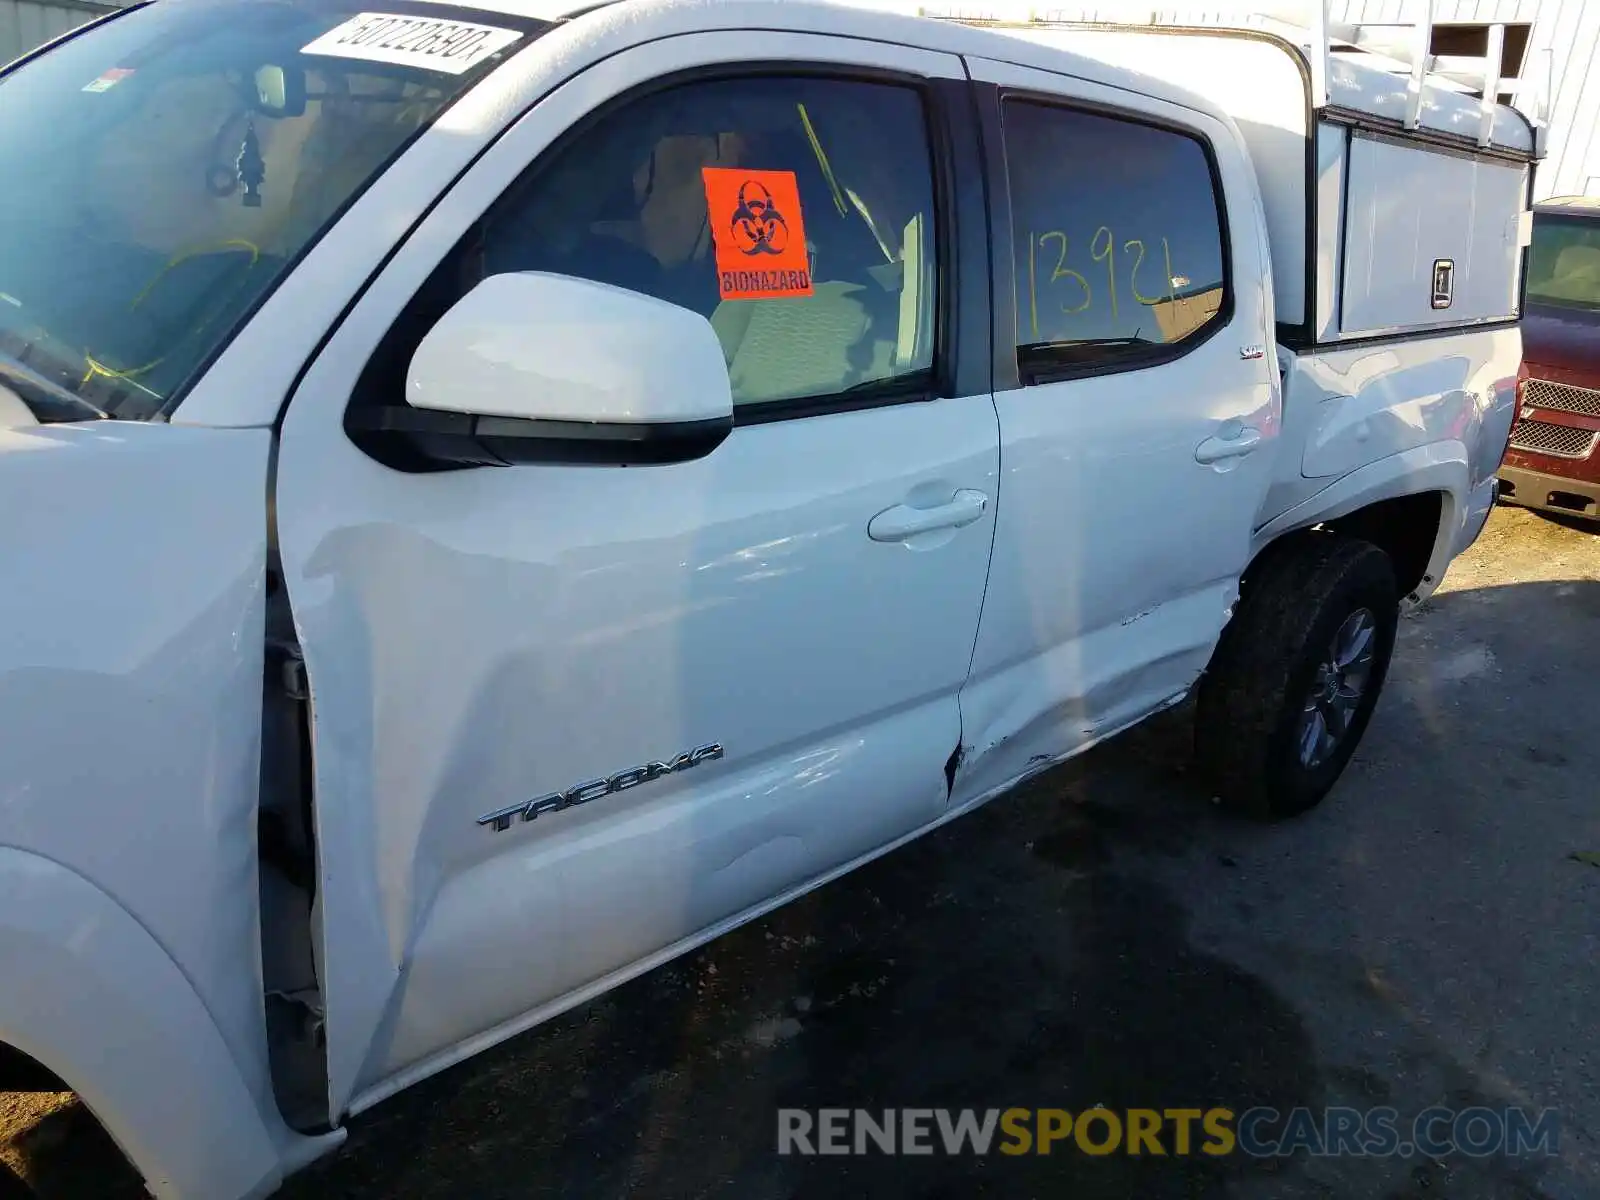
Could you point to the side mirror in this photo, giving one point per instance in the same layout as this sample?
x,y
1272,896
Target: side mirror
x,y
550,368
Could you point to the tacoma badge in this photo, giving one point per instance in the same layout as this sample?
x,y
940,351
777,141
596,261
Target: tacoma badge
x,y
501,819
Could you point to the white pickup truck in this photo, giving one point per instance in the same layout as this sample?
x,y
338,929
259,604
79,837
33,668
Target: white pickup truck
x,y
493,496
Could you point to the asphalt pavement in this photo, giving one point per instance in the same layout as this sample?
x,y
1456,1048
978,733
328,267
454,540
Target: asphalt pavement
x,y
1429,937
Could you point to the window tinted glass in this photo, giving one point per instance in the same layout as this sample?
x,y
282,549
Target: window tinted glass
x,y
1564,263
794,213
163,169
1118,235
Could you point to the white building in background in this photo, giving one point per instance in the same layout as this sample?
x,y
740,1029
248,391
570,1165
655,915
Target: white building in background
x,y
1553,45
25,24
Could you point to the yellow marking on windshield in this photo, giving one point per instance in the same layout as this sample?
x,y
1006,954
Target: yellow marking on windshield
x,y
184,256
98,369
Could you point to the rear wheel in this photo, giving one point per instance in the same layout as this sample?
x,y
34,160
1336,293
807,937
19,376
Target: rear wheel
x,y
1297,674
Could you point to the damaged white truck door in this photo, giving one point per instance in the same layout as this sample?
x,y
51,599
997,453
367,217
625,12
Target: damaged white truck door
x,y
1138,424
804,598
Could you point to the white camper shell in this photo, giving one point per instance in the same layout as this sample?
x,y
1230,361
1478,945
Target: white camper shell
x,y
1348,126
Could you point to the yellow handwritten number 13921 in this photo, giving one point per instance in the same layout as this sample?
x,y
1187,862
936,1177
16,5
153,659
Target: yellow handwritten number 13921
x,y
1102,248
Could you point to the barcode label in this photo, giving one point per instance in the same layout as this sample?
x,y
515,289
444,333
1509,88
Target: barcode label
x,y
426,42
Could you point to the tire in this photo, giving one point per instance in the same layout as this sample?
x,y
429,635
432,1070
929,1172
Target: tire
x,y
1256,740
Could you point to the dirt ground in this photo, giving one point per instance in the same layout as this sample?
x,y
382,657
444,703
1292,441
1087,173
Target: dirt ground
x,y
1430,935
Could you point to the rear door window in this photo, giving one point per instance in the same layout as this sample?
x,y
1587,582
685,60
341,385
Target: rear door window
x,y
1118,237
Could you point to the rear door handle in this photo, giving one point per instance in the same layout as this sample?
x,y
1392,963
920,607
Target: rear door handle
x,y
1216,449
903,522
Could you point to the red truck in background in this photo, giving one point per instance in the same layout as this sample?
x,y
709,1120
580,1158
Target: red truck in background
x,y
1550,462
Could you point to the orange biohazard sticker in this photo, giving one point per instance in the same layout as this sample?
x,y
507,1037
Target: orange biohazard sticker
x,y
759,235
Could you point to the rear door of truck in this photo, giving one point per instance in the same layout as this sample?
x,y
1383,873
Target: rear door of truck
x,y
1139,408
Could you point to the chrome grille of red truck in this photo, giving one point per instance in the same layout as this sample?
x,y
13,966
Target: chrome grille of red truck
x,y
1543,437
1561,397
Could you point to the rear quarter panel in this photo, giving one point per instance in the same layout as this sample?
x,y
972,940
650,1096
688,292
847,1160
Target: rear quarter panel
x,y
1349,408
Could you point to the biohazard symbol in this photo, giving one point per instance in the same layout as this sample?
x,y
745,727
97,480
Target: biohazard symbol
x,y
758,226
759,233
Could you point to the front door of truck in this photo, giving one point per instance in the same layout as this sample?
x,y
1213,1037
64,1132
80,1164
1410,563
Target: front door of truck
x,y
804,599
1139,418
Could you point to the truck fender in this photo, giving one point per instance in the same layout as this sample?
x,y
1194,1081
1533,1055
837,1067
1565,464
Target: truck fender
x,y
87,992
1444,467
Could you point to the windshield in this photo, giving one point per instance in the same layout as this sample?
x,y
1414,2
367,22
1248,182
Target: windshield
x,y
161,171
1564,263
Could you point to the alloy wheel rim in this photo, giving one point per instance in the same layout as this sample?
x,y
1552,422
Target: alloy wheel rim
x,y
1337,688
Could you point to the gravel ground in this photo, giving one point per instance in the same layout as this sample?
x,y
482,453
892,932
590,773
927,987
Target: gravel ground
x,y
1431,935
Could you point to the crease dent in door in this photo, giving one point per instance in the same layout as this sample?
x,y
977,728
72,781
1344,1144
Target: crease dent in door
x,y
699,854
468,653
476,638
1089,688
1116,554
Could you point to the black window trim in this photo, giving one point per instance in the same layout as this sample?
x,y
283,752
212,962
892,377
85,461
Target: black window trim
x,y
1008,369
961,330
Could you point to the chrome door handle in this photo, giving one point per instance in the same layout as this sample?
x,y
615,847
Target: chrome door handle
x,y
902,522
1216,449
